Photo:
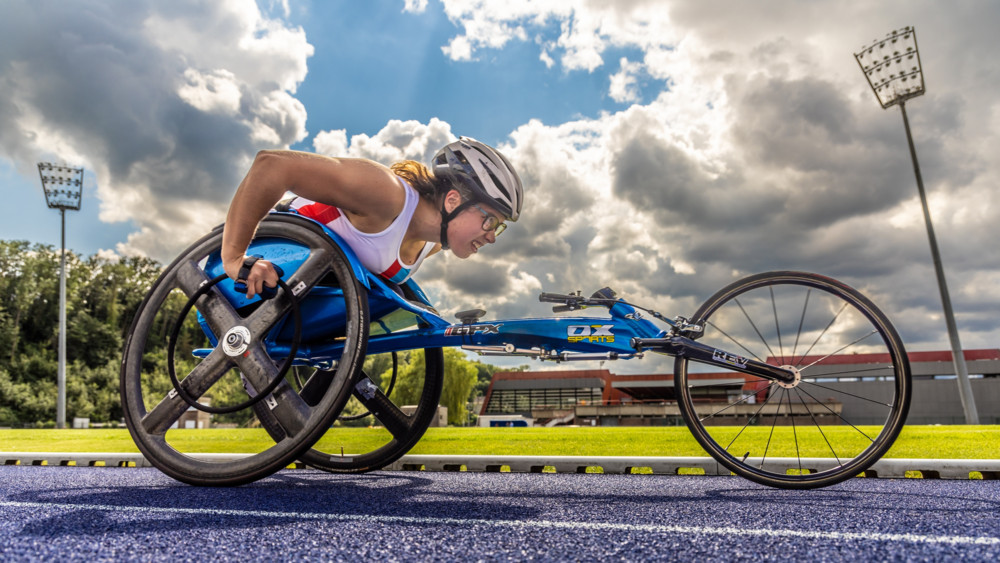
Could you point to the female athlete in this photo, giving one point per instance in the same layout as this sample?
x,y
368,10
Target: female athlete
x,y
392,218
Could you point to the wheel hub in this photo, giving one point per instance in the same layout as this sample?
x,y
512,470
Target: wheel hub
x,y
236,341
794,383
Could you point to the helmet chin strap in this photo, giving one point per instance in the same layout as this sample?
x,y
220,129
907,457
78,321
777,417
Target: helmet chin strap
x,y
447,217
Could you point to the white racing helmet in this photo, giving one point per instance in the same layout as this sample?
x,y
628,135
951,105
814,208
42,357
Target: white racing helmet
x,y
486,172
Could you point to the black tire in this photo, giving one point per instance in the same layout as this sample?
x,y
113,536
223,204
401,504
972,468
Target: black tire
x,y
402,430
820,430
151,408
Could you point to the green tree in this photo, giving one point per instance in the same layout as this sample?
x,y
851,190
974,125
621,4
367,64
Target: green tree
x,y
409,378
102,297
484,374
459,382
111,290
91,341
29,295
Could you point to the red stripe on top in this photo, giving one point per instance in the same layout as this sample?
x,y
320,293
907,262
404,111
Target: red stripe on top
x,y
392,270
321,212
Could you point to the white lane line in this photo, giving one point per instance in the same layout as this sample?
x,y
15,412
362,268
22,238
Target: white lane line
x,y
599,526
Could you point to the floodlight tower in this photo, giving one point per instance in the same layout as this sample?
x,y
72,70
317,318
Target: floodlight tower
x,y
63,186
892,66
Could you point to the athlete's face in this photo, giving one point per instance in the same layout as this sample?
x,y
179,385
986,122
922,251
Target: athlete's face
x,y
473,228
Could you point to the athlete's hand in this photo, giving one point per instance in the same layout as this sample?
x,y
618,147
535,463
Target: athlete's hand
x,y
258,274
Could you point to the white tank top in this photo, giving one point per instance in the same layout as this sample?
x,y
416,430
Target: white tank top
x,y
378,252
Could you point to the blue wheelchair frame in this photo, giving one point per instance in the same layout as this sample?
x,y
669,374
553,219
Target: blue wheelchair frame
x,y
403,319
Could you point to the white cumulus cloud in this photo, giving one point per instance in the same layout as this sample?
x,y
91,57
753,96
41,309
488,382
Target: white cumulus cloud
x,y
166,102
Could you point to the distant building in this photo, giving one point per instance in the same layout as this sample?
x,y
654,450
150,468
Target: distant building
x,y
599,397
194,418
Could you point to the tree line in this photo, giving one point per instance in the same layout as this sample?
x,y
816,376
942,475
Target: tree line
x,y
102,297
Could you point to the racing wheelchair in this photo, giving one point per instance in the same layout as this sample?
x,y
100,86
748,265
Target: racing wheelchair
x,y
758,368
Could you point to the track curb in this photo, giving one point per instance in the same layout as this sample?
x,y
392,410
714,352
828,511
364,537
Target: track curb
x,y
884,468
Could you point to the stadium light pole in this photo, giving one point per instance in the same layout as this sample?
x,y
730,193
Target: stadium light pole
x,y
63,186
892,67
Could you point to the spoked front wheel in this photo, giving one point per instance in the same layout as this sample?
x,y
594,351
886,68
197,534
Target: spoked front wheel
x,y
845,407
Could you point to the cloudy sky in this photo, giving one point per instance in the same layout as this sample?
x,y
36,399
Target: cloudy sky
x,y
667,147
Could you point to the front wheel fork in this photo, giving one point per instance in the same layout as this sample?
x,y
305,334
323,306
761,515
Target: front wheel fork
x,y
682,346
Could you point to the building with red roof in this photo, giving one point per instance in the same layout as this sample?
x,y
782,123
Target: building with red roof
x,y
600,397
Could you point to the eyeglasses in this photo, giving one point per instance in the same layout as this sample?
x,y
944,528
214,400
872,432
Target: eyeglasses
x,y
490,222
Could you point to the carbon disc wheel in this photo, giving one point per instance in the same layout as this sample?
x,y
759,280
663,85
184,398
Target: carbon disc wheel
x,y
157,416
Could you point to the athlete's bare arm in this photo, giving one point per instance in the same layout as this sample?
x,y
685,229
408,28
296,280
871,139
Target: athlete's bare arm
x,y
368,192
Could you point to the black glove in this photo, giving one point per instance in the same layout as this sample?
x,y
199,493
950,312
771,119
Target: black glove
x,y
241,285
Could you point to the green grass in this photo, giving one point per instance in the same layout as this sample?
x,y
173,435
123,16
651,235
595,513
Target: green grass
x,y
935,442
